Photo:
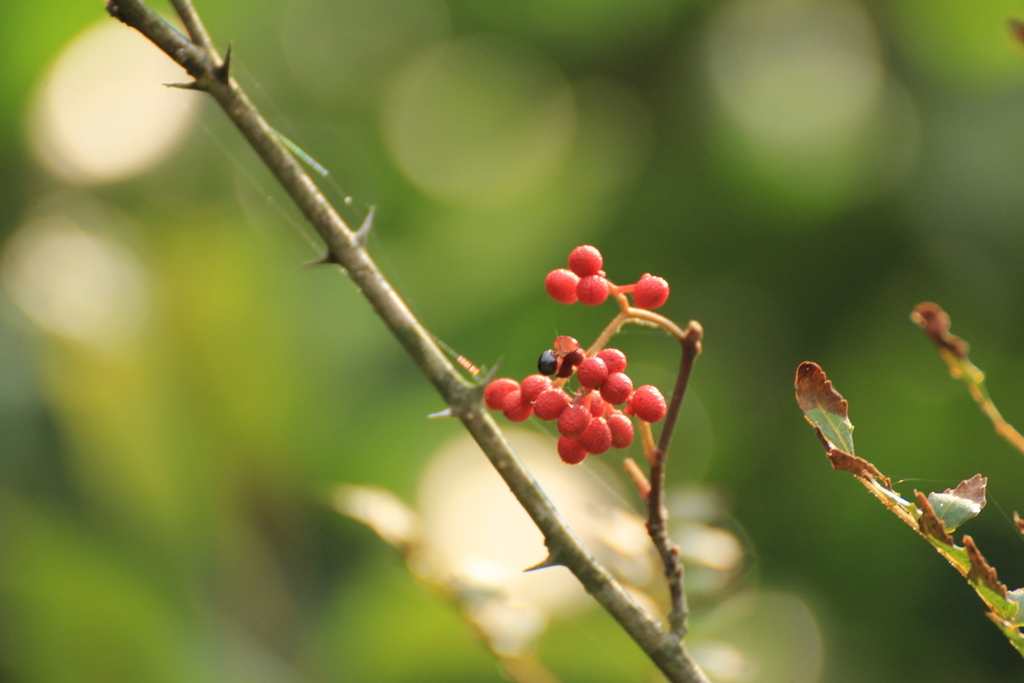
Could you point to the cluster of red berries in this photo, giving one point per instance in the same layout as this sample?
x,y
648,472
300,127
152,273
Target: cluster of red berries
x,y
584,281
589,421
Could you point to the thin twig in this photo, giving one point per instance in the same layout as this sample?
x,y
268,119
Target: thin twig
x,y
345,249
657,515
193,24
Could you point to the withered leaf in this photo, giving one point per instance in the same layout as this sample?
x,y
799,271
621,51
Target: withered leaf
x,y
928,524
935,323
823,406
981,572
855,465
1017,30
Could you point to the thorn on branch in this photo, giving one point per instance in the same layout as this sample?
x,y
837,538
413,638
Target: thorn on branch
x,y
223,72
191,85
326,259
364,230
548,561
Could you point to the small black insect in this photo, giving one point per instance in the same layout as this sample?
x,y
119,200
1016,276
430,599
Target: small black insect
x,y
547,364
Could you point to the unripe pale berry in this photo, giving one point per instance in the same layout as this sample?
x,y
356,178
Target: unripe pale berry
x,y
561,285
571,451
550,403
532,386
495,392
514,408
592,290
648,403
597,438
622,430
617,388
573,421
592,373
564,344
613,358
585,260
650,292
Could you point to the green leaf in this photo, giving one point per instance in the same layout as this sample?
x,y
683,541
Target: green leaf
x,y
1017,596
824,407
956,506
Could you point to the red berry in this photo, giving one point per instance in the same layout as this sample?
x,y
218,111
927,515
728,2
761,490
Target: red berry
x,y
622,430
585,260
613,358
571,451
514,408
648,403
561,285
592,373
597,405
532,386
592,290
569,362
495,392
617,388
550,404
573,421
598,436
650,292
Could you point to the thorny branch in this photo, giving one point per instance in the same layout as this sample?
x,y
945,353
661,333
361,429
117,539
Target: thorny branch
x,y
211,74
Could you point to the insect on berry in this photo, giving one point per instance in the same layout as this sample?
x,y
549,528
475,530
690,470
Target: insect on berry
x,y
547,364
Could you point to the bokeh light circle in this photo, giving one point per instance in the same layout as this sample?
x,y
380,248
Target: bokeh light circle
x,y
480,120
101,112
75,281
805,97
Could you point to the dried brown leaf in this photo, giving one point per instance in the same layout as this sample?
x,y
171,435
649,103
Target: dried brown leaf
x,y
813,390
930,525
935,323
855,465
981,572
1017,30
972,489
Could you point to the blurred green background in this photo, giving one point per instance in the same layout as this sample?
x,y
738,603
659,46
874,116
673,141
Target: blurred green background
x,y
178,397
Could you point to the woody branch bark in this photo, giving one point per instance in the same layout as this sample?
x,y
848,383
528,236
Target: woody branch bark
x,y
211,74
